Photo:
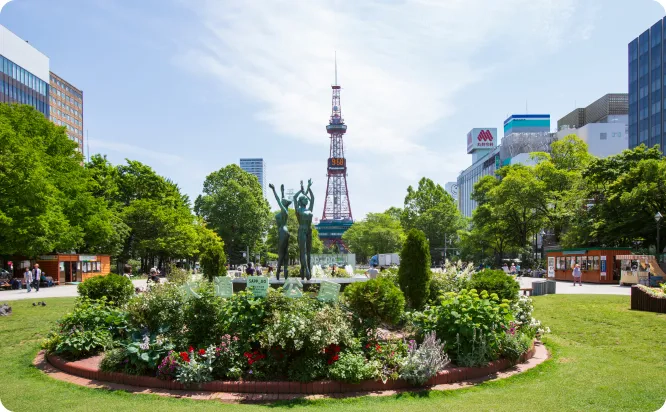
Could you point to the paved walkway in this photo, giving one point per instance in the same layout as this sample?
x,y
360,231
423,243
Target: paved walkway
x,y
563,288
52,292
567,288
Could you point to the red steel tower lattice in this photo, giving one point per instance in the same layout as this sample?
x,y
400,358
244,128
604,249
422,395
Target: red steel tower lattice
x,y
337,215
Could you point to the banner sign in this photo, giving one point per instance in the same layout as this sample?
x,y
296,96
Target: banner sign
x,y
224,287
551,267
328,260
328,291
293,288
603,266
258,285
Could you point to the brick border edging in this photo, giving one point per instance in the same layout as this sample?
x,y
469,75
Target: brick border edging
x,y
90,371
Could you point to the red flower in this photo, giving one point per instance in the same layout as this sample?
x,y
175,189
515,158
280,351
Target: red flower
x,y
191,349
202,352
184,356
379,348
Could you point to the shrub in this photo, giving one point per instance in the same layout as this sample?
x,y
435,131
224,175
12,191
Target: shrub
x,y
424,361
470,324
305,324
159,310
243,315
177,275
377,300
203,317
145,351
114,360
414,273
307,368
389,355
514,344
496,281
196,366
117,289
230,360
353,367
87,330
452,278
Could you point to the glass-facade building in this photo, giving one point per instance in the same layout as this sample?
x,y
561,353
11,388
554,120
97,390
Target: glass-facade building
x,y
24,73
647,79
18,85
257,167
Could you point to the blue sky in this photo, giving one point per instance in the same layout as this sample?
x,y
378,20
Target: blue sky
x,y
189,86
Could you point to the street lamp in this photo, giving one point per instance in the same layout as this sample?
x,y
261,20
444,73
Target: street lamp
x,y
657,218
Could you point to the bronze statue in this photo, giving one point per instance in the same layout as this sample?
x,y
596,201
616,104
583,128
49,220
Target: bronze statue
x,y
303,206
281,219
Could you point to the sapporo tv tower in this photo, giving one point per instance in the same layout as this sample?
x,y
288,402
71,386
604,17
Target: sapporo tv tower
x,y
337,215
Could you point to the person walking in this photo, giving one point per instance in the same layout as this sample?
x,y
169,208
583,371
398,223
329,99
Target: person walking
x,y
36,276
27,276
513,269
372,272
577,275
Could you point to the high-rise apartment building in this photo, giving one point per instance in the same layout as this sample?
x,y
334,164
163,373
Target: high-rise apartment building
x,y
257,167
647,79
66,103
24,73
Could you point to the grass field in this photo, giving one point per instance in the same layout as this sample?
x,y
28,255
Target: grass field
x,y
605,357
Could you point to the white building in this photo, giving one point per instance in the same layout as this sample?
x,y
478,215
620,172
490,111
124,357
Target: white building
x,y
482,145
603,139
257,167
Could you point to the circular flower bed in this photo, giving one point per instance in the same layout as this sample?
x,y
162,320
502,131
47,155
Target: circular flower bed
x,y
191,337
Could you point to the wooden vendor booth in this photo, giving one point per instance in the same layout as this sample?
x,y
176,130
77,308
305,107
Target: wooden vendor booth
x,y
598,265
637,269
65,268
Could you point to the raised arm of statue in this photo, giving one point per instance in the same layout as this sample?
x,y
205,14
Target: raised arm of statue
x,y
279,201
311,198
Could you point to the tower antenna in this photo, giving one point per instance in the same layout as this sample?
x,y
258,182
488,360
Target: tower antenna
x,y
336,68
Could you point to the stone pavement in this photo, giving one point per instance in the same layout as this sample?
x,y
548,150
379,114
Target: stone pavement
x,y
567,288
52,292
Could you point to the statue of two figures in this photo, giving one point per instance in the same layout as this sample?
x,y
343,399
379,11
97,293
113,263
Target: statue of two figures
x,y
303,204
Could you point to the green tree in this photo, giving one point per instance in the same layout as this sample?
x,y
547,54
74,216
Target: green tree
x,y
234,206
377,233
414,273
432,210
211,252
46,204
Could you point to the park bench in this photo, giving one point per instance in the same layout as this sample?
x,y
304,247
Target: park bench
x,y
526,291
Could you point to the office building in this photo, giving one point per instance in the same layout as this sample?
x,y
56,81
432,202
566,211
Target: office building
x,y
452,189
482,145
604,126
646,86
66,103
25,73
257,167
523,135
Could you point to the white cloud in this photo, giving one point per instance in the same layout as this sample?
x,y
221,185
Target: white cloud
x,y
401,64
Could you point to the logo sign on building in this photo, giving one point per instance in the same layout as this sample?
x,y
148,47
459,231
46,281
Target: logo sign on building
x,y
328,291
258,285
481,138
224,287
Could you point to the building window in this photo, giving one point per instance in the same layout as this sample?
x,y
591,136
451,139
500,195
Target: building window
x,y
603,136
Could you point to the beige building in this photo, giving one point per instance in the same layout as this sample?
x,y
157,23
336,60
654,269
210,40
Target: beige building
x,y
66,108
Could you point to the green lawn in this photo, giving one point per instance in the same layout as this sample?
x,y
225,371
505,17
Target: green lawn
x,y
605,357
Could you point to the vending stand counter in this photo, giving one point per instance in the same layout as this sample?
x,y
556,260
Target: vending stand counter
x,y
598,265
